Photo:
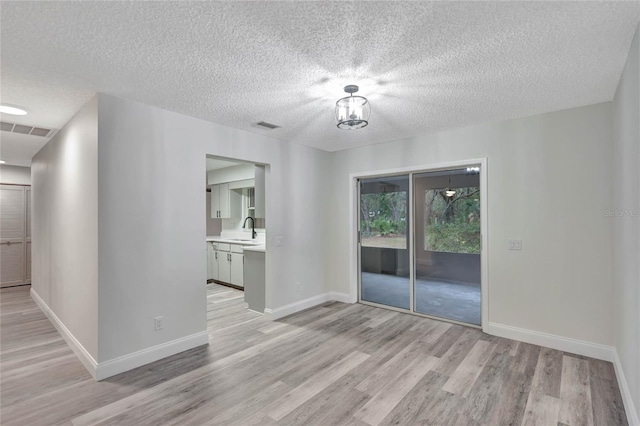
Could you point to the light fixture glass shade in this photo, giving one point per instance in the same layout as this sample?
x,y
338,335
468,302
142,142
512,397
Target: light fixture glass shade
x,y
12,109
352,112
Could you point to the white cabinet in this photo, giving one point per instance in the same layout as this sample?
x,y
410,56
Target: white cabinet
x,y
232,199
237,269
215,269
224,267
226,264
220,206
212,261
209,253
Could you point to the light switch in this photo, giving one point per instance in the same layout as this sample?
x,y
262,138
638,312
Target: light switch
x,y
515,244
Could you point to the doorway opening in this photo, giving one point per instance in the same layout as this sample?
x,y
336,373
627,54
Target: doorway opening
x,y
236,230
419,242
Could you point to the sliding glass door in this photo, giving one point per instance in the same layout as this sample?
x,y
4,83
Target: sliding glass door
x,y
384,242
447,244
419,243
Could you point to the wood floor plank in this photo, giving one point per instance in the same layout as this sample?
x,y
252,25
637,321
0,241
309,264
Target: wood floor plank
x,y
575,393
406,412
512,398
548,373
378,407
373,383
291,400
381,318
484,395
541,409
606,401
463,378
442,344
457,352
444,409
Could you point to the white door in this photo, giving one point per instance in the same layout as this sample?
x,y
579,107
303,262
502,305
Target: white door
x,y
209,261
237,269
225,211
214,265
215,201
224,266
12,235
27,244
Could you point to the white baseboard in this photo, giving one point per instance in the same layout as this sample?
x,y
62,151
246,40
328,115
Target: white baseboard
x,y
580,347
83,355
629,406
340,297
102,370
149,355
292,308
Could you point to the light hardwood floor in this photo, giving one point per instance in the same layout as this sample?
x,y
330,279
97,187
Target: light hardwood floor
x,y
333,364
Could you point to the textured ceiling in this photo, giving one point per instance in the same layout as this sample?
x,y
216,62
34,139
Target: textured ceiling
x,y
425,66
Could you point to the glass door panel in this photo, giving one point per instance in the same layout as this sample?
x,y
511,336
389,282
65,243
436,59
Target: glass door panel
x,y
384,241
447,244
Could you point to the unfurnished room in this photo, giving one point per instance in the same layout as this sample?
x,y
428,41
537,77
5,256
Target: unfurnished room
x,y
320,213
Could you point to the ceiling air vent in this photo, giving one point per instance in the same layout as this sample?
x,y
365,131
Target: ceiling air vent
x,y
267,125
26,130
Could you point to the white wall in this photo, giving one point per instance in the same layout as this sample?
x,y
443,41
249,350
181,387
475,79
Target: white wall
x,y
65,226
15,175
151,250
231,174
549,182
625,207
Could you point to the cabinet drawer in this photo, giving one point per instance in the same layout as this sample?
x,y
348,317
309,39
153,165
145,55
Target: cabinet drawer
x,y
223,247
214,246
236,248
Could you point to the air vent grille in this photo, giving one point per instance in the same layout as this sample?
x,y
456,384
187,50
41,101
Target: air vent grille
x,y
26,130
266,125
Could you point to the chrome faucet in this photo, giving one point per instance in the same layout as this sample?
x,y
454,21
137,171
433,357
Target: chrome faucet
x,y
254,234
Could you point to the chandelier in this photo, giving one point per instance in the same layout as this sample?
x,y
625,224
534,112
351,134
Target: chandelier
x,y
352,112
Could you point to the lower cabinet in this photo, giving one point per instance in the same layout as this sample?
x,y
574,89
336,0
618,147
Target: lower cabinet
x,y
225,263
212,260
209,261
224,267
215,269
237,269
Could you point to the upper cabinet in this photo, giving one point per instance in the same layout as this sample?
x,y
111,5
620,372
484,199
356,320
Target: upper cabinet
x,y
237,192
220,201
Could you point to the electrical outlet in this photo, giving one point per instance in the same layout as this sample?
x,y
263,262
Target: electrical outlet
x,y
515,244
298,285
158,323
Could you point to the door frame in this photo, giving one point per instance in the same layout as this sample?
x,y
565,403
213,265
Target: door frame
x,y
354,210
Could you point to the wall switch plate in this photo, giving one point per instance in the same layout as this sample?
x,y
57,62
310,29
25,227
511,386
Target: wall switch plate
x,y
158,323
279,240
515,244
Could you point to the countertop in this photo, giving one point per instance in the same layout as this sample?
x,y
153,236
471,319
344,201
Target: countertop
x,y
260,248
246,243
